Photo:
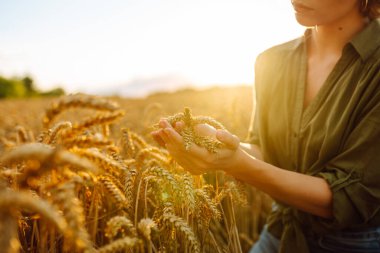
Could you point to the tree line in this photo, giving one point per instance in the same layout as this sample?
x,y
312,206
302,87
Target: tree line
x,y
24,87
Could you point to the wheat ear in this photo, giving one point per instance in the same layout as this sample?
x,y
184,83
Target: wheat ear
x,y
56,129
11,200
188,132
120,244
120,225
115,192
102,160
48,158
99,119
78,101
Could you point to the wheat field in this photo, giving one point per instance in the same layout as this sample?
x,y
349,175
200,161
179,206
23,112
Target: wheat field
x,y
81,173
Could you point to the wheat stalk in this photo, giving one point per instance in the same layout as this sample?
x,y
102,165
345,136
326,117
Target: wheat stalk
x,y
78,101
8,230
64,196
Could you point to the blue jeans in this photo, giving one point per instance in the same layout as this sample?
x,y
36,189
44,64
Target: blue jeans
x,y
359,241
267,243
363,241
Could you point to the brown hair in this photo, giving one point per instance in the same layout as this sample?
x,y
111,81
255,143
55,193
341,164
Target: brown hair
x,y
370,8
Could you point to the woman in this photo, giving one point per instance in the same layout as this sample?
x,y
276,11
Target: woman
x,y
315,142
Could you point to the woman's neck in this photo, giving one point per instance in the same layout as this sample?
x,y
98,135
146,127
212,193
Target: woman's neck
x,y
329,39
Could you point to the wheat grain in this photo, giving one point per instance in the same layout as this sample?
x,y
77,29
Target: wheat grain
x,y
99,119
187,182
85,141
189,134
102,160
237,191
54,131
145,227
120,226
152,153
164,177
120,244
78,101
208,207
183,227
45,158
115,192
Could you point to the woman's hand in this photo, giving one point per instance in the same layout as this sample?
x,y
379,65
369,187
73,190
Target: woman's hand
x,y
198,159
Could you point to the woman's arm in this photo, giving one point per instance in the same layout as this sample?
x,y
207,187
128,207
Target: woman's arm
x,y
252,149
304,192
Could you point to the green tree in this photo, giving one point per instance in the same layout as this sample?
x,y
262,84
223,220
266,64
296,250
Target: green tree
x,y
29,86
11,88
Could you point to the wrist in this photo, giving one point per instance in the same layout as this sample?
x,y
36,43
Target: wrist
x,y
238,165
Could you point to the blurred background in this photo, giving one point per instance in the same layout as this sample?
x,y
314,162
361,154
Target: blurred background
x,y
132,48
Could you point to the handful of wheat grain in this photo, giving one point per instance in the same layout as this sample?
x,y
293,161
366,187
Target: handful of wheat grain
x,y
189,133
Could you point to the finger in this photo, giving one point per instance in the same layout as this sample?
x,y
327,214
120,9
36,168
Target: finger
x,y
157,138
205,130
178,126
163,136
173,136
230,140
163,123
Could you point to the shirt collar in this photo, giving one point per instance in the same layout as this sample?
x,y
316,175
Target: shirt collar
x,y
366,41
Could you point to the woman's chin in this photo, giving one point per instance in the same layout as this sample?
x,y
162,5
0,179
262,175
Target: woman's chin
x,y
304,21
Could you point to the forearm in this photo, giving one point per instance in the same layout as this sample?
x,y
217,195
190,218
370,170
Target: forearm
x,y
304,192
252,149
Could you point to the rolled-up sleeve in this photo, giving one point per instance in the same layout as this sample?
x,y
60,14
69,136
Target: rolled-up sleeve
x,y
354,176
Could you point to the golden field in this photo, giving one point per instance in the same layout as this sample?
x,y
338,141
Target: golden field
x,y
81,174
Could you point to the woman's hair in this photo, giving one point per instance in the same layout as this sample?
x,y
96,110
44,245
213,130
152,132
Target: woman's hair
x,y
370,8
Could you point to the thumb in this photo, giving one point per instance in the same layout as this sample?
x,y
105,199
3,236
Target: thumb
x,y
230,140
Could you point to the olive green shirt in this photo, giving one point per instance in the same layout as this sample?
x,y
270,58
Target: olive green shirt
x,y
336,137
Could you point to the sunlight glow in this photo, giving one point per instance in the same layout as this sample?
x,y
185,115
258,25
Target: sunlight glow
x,y
91,47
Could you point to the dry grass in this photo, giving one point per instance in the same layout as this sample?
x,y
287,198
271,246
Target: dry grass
x,y
81,174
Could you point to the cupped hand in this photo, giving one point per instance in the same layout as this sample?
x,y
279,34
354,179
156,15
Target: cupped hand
x,y
196,159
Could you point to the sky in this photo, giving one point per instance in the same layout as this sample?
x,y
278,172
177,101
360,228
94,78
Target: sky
x,y
100,47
